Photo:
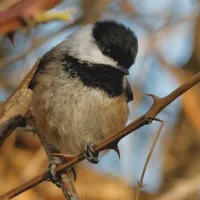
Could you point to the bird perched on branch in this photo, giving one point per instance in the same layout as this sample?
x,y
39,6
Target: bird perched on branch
x,y
80,89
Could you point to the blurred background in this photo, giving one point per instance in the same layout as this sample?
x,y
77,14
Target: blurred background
x,y
169,53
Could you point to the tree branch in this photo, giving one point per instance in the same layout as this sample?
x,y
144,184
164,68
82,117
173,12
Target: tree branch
x,y
140,182
158,105
17,104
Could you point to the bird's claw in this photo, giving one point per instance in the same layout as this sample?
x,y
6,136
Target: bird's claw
x,y
90,154
74,173
53,176
52,171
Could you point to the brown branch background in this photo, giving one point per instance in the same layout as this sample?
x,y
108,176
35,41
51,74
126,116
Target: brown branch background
x,y
21,156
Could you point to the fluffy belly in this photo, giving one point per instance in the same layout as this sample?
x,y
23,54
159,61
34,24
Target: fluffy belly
x,y
70,121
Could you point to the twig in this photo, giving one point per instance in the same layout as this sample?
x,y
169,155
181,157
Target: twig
x,y
17,104
7,127
140,183
158,105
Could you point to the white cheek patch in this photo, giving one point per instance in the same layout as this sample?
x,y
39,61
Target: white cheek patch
x,y
81,45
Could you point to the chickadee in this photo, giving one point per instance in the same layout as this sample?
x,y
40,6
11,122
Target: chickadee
x,y
80,89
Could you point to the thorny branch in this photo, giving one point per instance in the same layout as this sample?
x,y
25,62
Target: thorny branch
x,y
158,105
140,183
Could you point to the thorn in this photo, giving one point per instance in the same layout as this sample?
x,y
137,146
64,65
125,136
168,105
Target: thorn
x,y
156,119
141,185
65,156
11,38
115,148
155,98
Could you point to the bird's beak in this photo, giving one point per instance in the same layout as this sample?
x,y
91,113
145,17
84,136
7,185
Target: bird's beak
x,y
123,69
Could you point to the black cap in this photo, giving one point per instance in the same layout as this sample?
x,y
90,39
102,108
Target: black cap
x,y
116,41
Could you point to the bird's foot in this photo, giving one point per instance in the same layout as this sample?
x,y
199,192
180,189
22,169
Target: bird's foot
x,y
90,154
53,176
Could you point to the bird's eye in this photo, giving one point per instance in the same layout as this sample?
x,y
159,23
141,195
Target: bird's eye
x,y
106,50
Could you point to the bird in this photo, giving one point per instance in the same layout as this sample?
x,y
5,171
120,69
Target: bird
x,y
81,91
